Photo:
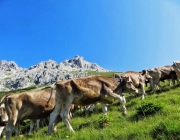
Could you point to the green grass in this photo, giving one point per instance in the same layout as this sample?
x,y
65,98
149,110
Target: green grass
x,y
108,74
157,117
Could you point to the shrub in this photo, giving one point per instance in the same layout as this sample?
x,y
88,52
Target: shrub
x,y
104,121
148,109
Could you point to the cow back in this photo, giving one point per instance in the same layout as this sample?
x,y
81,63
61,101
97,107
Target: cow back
x,y
31,105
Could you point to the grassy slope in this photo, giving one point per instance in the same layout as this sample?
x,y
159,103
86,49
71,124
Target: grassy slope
x,y
165,124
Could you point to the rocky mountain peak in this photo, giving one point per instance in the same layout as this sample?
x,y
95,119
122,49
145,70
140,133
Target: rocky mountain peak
x,y
50,64
8,66
78,63
77,60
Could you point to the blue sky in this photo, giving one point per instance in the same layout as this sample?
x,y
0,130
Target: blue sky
x,y
118,35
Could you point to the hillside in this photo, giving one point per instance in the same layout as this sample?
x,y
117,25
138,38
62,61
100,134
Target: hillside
x,y
155,118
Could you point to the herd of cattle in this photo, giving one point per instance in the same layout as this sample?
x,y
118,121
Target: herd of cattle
x,y
58,102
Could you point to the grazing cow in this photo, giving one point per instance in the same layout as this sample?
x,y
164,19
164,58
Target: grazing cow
x,y
85,91
138,79
28,105
160,74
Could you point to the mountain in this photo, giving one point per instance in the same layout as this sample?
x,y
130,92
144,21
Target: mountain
x,y
44,73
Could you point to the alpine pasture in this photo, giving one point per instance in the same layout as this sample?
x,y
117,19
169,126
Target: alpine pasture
x,y
157,117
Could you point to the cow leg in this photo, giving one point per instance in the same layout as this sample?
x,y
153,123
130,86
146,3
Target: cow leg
x,y
90,108
37,124
156,82
10,126
104,108
173,82
117,96
53,117
17,128
156,85
11,123
58,119
1,130
31,126
65,114
152,86
142,90
124,99
170,83
122,102
177,79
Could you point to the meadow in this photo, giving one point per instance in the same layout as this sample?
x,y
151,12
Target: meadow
x,y
157,117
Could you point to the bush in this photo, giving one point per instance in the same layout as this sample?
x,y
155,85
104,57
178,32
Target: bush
x,y
104,121
148,109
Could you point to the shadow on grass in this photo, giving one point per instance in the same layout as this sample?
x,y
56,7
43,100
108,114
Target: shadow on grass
x,y
85,125
100,123
86,113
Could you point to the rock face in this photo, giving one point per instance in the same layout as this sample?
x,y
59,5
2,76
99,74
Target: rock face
x,y
44,73
78,63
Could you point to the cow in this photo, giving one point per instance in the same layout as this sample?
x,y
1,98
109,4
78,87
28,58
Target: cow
x,y
4,120
160,74
85,91
27,105
138,79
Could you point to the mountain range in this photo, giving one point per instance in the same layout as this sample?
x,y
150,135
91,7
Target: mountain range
x,y
44,73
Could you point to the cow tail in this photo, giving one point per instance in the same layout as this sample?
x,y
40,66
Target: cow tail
x,y
52,87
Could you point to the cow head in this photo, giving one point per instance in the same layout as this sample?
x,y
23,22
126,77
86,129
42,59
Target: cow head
x,y
146,74
176,66
126,85
3,114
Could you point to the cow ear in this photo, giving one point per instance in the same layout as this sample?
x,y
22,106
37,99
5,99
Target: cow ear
x,y
143,72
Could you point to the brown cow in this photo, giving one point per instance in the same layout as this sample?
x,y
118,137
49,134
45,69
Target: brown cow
x,y
4,120
138,79
28,105
160,74
85,91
